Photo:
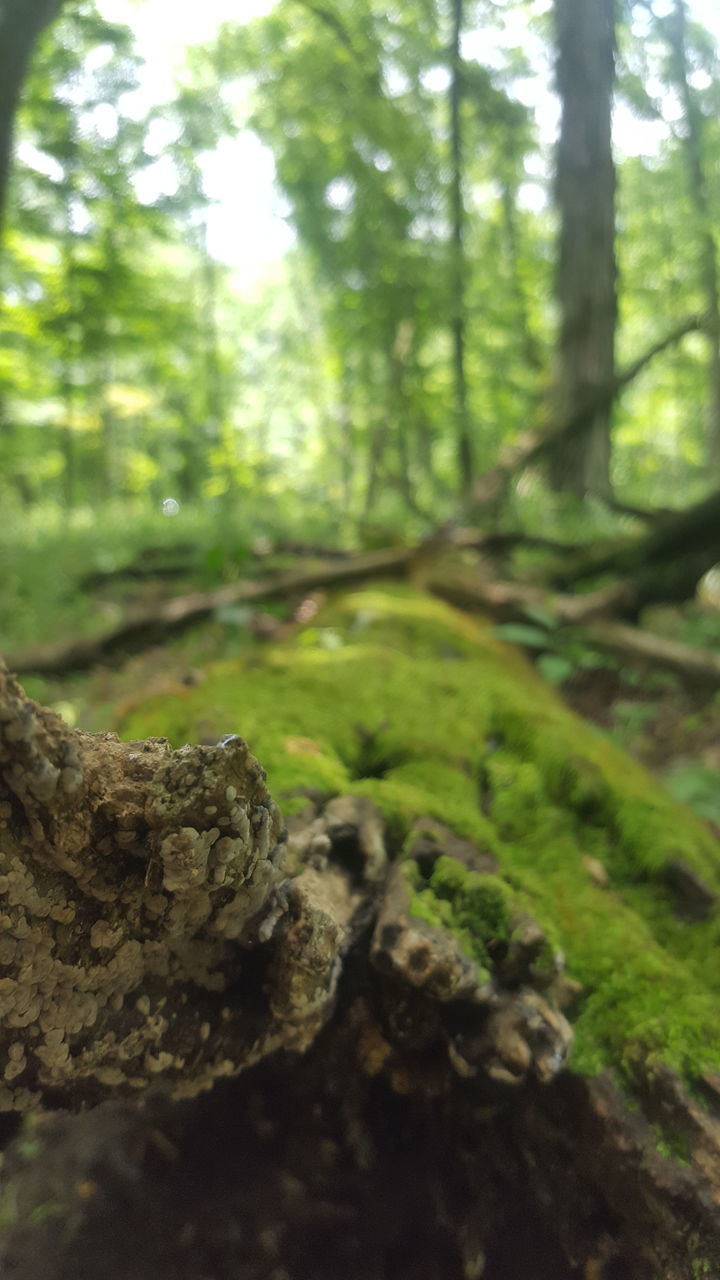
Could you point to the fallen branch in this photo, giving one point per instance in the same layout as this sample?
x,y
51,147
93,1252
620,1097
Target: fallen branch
x,y
165,617
500,544
675,553
511,602
664,579
531,446
692,664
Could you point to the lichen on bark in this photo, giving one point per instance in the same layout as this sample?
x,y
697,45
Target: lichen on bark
x,y
128,874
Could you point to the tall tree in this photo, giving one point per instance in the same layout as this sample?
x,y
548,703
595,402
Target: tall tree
x,y
458,264
21,22
586,272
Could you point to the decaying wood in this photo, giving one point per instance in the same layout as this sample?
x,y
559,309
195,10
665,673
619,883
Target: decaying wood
x,y
510,601
389,1109
665,564
133,879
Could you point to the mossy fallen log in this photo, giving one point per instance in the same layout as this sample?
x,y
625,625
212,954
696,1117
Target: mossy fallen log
x,y
472,878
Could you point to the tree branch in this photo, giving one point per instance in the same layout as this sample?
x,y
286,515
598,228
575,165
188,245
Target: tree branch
x,y
532,446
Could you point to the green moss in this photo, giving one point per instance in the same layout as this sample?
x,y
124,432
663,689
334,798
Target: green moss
x,y
477,909
423,710
440,912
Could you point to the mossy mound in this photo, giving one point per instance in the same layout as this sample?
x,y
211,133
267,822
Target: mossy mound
x,y
394,695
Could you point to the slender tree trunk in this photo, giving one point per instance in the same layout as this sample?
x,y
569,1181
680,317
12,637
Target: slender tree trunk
x,y
376,432
346,435
214,389
21,22
113,449
378,441
530,345
458,263
113,452
69,357
68,434
426,451
397,406
586,274
707,256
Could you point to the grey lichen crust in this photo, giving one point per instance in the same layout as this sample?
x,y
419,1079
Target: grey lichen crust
x,y
129,874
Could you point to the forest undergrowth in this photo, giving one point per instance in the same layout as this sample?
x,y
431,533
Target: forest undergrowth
x,y
69,576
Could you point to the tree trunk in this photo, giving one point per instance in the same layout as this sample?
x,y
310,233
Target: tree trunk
x,y
458,261
675,25
585,193
397,406
21,22
529,344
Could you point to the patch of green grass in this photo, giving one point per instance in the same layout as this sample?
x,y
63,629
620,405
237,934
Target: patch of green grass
x,y
45,553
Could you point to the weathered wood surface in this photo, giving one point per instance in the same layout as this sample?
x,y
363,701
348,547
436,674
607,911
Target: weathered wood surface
x,y
397,1110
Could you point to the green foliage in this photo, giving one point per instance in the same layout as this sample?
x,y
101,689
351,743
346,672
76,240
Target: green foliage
x,y
45,559
561,651
130,366
696,785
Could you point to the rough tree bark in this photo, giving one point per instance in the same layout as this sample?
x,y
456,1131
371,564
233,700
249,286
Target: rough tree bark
x,y
21,22
585,193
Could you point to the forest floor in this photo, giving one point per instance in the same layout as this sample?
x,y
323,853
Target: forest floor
x,y
670,726
67,578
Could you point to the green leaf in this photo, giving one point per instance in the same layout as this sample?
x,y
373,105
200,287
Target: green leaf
x,y
554,668
541,614
519,633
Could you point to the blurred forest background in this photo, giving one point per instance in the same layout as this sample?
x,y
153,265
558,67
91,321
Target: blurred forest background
x,y
412,329
316,317
495,300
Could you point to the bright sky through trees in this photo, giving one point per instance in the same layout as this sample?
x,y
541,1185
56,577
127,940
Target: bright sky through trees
x,y
246,227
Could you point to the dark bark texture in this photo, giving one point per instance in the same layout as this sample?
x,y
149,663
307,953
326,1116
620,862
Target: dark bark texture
x,y
585,194
21,22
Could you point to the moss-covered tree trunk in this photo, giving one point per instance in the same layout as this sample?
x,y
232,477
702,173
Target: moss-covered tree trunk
x,y
458,1014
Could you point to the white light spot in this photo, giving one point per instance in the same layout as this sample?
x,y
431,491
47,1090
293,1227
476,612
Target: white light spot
x,y
170,507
